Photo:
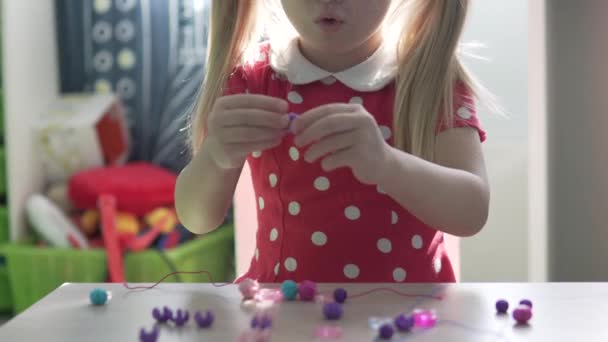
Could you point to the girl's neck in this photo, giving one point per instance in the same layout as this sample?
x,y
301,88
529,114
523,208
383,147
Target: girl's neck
x,y
339,62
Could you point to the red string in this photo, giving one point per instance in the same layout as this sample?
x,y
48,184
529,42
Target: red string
x,y
126,285
402,294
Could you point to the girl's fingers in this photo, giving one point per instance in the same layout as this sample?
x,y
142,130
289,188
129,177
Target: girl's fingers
x,y
235,135
329,145
333,124
252,101
253,118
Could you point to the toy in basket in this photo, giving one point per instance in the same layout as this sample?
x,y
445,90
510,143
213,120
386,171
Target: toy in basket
x,y
136,188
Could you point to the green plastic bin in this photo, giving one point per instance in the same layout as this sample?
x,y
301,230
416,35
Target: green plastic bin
x,y
4,226
34,272
6,299
3,187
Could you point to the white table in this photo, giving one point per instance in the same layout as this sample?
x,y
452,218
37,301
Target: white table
x,y
562,312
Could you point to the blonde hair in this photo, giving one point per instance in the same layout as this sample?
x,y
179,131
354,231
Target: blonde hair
x,y
429,66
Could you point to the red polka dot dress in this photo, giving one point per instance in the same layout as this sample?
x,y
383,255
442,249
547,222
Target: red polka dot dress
x,y
327,226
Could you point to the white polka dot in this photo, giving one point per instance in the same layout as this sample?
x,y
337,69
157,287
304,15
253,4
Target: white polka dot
x,y
417,241
464,113
102,6
384,245
352,213
322,183
291,264
386,132
351,271
294,97
356,100
294,153
274,234
437,265
257,254
294,208
329,80
399,274
380,190
319,238
272,178
256,154
261,202
394,217
276,268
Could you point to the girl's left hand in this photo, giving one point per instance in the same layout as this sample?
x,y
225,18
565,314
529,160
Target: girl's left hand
x,y
343,135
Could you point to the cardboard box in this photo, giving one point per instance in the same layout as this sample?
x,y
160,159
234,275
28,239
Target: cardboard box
x,y
81,131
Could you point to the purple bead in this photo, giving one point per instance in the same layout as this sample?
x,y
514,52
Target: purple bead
x,y
181,317
386,332
152,336
404,323
265,322
204,321
522,314
424,318
307,290
526,302
332,311
255,322
502,306
340,295
167,314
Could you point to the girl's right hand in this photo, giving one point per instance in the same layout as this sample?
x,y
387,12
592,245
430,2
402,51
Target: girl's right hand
x,y
241,124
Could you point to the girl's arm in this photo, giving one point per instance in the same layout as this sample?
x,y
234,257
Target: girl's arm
x,y
452,195
204,191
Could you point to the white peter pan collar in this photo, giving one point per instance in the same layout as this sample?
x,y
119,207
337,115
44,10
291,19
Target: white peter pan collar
x,y
371,75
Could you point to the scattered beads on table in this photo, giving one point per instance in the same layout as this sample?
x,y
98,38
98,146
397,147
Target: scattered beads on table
x,y
332,311
502,306
289,288
386,332
98,296
340,295
262,321
181,317
204,321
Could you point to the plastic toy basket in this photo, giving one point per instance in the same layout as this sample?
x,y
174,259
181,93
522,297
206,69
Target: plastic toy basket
x,y
34,272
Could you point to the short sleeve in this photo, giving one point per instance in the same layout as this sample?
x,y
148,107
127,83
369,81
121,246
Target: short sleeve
x,y
465,113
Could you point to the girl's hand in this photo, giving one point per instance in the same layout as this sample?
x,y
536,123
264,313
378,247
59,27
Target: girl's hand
x,y
343,135
244,123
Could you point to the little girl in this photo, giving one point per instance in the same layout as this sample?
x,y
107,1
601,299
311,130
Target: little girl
x,y
383,156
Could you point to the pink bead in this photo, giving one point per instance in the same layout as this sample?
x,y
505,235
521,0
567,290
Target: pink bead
x,y
307,290
255,335
272,295
328,332
522,314
424,318
249,288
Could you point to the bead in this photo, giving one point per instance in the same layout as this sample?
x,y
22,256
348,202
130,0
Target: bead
x,y
332,311
167,314
307,290
424,318
204,321
152,336
159,315
522,314
329,332
289,288
292,117
249,288
386,332
262,322
340,295
502,306
181,317
404,323
526,302
98,296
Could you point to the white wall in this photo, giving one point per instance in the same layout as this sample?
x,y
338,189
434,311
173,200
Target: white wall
x,y
30,84
500,251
